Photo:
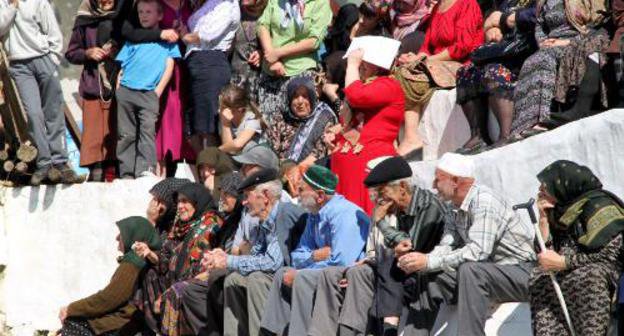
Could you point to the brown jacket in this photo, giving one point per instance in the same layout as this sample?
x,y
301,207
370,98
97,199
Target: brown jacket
x,y
109,309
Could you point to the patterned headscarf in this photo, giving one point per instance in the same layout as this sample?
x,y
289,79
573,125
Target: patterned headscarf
x,y
593,214
407,15
202,202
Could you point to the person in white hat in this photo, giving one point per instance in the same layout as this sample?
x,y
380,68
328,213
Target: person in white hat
x,y
486,252
371,124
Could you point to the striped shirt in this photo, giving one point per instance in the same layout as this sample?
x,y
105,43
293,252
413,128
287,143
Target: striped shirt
x,y
484,228
266,254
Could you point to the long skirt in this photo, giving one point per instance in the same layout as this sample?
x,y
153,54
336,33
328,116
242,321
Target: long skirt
x,y
170,139
535,89
98,132
194,307
272,94
209,72
151,288
494,79
354,166
80,327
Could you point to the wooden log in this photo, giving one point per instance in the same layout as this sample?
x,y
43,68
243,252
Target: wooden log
x,y
4,155
72,126
26,152
21,167
8,166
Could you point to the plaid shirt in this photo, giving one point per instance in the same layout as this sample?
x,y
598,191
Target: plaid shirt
x,y
485,228
266,254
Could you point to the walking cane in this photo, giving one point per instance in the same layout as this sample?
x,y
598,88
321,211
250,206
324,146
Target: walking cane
x,y
529,207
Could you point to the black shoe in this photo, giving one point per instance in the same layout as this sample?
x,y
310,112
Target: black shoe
x,y
68,175
39,176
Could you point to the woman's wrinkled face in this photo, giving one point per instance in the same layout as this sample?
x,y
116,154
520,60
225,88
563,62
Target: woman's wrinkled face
x,y
120,245
543,194
106,5
300,103
186,209
227,202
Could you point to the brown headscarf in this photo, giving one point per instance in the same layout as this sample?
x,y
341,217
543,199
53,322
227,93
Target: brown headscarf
x,y
220,161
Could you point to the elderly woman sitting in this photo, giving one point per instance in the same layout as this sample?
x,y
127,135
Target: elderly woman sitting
x,y
582,223
109,310
297,134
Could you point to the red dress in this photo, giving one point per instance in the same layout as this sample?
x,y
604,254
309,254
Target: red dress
x,y
459,29
170,127
381,105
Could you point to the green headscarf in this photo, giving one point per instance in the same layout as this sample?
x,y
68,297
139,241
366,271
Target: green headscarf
x,y
137,229
582,205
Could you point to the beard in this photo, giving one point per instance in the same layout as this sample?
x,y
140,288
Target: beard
x,y
309,204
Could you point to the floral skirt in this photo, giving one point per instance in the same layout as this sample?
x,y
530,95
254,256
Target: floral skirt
x,y
492,79
587,291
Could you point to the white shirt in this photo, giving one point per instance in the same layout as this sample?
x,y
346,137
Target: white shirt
x,y
30,31
216,28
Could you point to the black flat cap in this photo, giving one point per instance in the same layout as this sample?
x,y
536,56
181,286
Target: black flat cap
x,y
391,169
259,177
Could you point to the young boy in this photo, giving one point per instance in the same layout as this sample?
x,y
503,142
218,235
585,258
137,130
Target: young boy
x,y
33,41
146,69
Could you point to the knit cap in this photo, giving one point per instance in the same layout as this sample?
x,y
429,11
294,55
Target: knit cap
x,y
321,178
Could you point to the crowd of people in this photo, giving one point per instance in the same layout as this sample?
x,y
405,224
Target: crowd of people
x,y
164,79
307,220
264,258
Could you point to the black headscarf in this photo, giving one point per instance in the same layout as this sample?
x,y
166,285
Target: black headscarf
x,y
340,34
291,90
202,202
590,214
310,128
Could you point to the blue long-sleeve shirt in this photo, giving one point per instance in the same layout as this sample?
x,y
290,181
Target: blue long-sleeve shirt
x,y
342,226
266,254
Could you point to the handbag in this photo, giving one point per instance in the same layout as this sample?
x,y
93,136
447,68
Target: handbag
x,y
513,47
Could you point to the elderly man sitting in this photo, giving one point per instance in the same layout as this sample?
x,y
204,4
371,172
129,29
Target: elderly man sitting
x,y
485,255
335,235
247,286
420,216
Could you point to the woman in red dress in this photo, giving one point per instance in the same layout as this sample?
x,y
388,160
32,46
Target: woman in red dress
x,y
377,109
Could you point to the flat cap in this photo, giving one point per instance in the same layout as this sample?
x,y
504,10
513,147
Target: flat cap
x,y
259,177
260,155
391,169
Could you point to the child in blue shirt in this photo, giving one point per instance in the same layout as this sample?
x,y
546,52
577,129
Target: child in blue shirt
x,y
146,70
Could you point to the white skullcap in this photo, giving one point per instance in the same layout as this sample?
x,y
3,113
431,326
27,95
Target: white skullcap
x,y
457,165
370,165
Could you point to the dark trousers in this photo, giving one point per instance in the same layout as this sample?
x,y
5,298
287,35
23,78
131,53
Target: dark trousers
x,y
473,287
209,72
202,304
137,112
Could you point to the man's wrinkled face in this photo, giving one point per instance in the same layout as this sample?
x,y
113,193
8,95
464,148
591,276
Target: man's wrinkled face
x,y
255,201
445,184
308,198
